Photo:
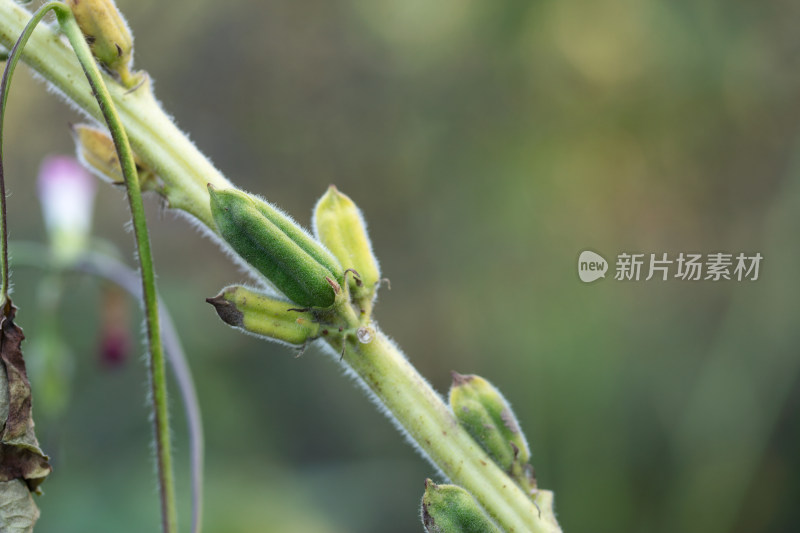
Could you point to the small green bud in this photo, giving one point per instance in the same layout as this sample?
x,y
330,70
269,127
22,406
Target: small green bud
x,y
487,416
338,225
261,315
96,150
269,241
451,509
108,36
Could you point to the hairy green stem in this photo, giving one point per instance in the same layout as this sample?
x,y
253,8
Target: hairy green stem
x,y
105,104
120,274
158,379
422,414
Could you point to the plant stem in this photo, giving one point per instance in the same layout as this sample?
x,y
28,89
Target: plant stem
x,y
12,60
158,379
156,360
120,274
420,412
103,266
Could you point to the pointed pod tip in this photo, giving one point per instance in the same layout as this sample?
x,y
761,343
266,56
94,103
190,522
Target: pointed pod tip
x,y
213,193
226,310
333,196
334,285
330,198
460,379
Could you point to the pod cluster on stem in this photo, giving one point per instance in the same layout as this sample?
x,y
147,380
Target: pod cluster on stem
x,y
329,281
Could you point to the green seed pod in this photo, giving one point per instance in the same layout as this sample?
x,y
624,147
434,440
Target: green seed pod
x,y
451,509
338,225
301,237
257,313
96,150
269,241
108,36
487,416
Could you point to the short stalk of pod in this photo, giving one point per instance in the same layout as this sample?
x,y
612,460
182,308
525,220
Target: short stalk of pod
x,y
96,150
274,245
338,225
486,415
259,314
451,509
108,36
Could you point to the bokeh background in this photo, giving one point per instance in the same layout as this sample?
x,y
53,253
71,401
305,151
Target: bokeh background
x,y
487,143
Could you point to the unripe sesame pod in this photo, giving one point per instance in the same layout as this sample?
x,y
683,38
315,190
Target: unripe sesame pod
x,y
268,240
108,36
305,241
486,415
96,150
259,314
338,225
451,509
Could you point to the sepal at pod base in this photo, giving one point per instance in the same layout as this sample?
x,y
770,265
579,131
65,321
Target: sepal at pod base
x,y
543,499
451,509
95,149
486,415
268,240
339,226
257,313
108,36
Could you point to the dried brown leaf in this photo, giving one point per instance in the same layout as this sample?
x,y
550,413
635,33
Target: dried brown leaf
x,y
20,455
18,512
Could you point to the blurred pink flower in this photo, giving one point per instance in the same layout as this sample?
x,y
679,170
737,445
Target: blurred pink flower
x,y
66,192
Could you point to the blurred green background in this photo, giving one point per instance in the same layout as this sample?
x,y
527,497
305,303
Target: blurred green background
x,y
487,143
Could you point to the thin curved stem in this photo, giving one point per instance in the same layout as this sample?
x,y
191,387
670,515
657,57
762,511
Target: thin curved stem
x,y
158,380
122,276
156,360
5,84
103,266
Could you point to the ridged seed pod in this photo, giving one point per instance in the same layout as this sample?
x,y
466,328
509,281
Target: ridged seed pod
x,y
302,238
451,509
96,150
269,241
486,415
107,34
257,313
338,225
